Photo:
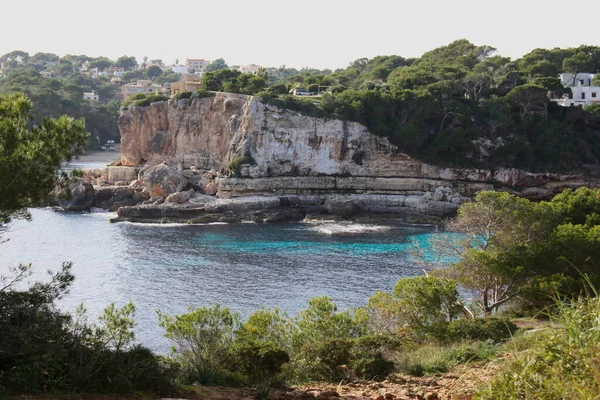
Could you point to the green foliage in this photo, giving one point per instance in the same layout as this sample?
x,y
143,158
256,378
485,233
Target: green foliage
x,y
30,157
202,338
434,359
145,102
216,65
562,362
201,93
43,349
235,164
422,304
183,95
322,321
510,248
481,329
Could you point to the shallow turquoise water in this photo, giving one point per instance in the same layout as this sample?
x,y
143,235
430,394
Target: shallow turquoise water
x,y
243,266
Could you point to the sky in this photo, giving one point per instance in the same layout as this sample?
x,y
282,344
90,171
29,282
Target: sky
x,y
272,33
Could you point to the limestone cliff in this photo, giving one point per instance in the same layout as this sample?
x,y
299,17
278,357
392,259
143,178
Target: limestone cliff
x,y
322,155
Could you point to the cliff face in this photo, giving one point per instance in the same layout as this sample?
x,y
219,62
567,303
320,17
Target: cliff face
x,y
323,155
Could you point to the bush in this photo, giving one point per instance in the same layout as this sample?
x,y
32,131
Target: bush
x,y
235,164
43,349
149,100
260,362
203,338
202,93
563,363
434,359
373,367
183,95
423,304
495,329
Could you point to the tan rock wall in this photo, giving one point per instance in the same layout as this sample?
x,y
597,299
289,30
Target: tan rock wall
x,y
329,155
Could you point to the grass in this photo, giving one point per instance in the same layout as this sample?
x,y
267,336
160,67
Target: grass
x,y
432,359
560,362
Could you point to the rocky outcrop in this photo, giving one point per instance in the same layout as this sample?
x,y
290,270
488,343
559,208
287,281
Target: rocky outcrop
x,y
333,165
76,195
161,180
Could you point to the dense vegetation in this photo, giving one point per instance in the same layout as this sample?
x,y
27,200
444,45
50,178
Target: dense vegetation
x,y
30,157
458,105
63,92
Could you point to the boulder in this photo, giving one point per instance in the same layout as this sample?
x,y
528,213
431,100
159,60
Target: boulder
x,y
78,195
211,188
122,192
139,197
121,174
180,197
343,208
102,194
161,180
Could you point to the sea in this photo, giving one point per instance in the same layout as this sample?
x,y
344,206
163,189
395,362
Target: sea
x,y
245,266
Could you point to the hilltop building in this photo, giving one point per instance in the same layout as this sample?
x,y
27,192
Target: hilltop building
x,y
582,90
91,95
198,65
250,68
141,86
187,84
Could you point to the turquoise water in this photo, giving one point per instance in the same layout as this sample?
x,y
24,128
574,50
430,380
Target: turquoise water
x,y
243,266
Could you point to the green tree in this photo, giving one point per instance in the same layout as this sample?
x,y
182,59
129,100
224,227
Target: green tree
x,y
153,71
126,62
203,338
30,157
423,304
216,65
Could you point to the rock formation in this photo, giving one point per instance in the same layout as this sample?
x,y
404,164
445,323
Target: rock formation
x,y
308,162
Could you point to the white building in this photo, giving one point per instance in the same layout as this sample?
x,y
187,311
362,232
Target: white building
x,y
250,68
197,64
91,95
582,90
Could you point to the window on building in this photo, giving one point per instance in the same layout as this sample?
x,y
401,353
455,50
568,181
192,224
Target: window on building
x,y
583,96
581,80
593,94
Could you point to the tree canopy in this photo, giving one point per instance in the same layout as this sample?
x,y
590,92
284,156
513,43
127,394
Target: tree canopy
x,y
31,155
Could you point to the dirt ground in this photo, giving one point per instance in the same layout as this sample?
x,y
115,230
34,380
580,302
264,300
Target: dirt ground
x,y
461,384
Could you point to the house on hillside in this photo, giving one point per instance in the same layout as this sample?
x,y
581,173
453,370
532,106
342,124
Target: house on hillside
x,y
47,74
198,65
250,68
582,90
141,86
185,85
91,95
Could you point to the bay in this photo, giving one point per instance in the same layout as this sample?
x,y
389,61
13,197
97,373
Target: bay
x,y
243,266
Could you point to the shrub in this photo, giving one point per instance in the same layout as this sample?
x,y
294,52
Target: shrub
x,y
423,304
203,338
202,93
563,363
373,367
44,349
260,362
434,359
149,100
495,329
183,95
235,164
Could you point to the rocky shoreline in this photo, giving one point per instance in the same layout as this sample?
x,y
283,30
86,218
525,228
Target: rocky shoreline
x,y
232,158
164,194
